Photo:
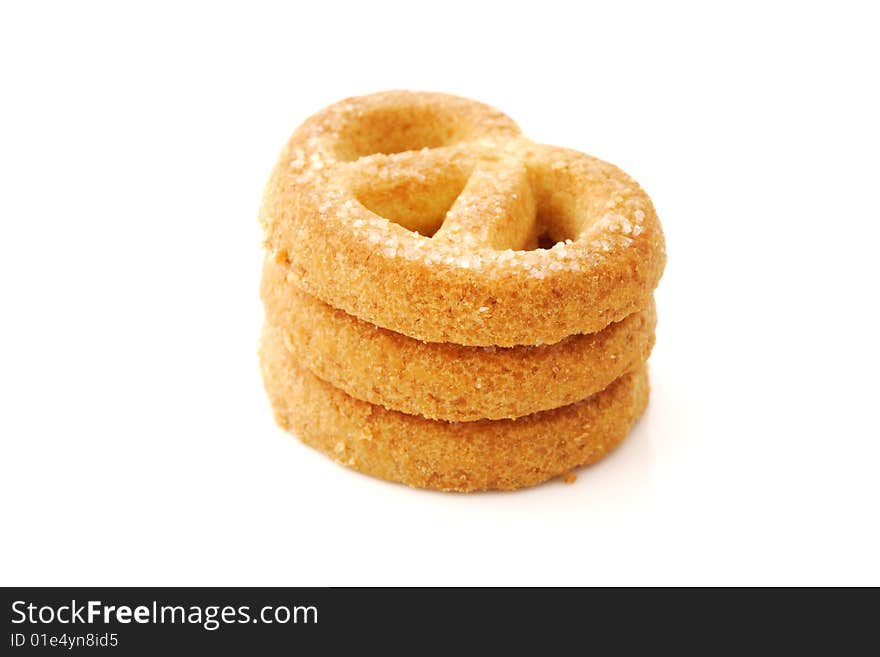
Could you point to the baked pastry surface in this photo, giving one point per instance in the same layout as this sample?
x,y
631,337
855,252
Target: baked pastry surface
x,y
419,212
448,456
446,381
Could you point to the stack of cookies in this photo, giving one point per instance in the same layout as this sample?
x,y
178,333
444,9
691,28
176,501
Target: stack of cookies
x,y
448,304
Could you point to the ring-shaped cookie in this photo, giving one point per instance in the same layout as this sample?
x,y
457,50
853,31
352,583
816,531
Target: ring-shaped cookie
x,y
420,212
447,381
449,456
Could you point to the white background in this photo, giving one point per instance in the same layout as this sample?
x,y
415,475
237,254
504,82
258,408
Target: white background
x,y
137,444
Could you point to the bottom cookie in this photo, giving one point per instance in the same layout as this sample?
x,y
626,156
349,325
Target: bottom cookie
x,y
448,456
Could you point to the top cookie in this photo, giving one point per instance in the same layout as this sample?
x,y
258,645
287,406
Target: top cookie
x,y
432,216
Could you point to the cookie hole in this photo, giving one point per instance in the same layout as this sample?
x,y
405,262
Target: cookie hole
x,y
545,241
553,227
414,200
395,130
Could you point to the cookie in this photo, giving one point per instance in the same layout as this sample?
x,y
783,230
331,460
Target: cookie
x,y
448,381
432,216
440,455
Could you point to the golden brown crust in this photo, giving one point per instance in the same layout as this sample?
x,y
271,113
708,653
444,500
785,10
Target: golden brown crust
x,y
448,381
450,456
474,284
